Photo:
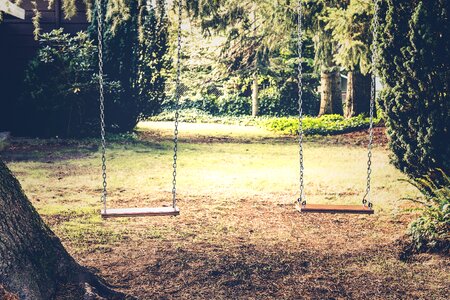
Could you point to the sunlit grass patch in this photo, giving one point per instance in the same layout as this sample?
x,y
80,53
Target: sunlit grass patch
x,y
324,125
85,230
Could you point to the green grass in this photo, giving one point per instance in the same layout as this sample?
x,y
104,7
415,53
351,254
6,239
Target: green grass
x,y
193,115
324,125
250,164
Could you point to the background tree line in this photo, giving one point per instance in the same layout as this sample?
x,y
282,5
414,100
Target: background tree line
x,y
255,69
337,39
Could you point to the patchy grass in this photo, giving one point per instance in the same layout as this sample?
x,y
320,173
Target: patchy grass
x,y
238,235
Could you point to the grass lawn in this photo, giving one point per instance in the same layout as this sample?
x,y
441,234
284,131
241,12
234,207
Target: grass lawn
x,y
238,235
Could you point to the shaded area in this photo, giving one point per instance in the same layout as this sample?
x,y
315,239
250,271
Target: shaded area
x,y
50,151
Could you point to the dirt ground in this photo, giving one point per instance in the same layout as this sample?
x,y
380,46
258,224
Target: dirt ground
x,y
321,257
246,248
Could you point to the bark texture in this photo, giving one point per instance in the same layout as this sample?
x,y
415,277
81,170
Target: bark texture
x,y
331,96
358,94
33,263
255,96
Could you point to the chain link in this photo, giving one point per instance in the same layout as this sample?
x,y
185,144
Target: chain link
x,y
101,97
375,25
177,102
301,199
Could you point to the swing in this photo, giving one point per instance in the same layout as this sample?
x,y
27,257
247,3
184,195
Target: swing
x,y
366,207
172,210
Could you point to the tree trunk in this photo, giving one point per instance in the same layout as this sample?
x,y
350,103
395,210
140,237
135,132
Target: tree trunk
x,y
331,96
33,263
358,94
255,96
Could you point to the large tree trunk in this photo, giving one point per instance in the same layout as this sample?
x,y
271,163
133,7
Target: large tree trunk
x,y
358,94
255,96
33,263
331,96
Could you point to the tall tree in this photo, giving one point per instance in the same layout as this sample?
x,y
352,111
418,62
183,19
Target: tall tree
x,y
316,13
33,263
415,67
254,30
350,28
153,62
135,51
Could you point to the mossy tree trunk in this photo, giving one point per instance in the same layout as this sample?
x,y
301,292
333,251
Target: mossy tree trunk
x,y
33,262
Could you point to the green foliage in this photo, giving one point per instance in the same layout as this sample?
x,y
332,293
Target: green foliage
x,y
192,115
253,29
350,28
206,103
153,62
205,82
431,231
61,93
269,102
283,101
324,125
60,88
279,97
415,67
227,105
234,105
135,48
315,16
260,38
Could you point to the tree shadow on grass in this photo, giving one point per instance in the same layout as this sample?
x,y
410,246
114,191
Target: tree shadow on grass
x,y
55,150
246,272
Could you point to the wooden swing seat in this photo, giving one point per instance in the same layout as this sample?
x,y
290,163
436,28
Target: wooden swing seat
x,y
140,212
335,209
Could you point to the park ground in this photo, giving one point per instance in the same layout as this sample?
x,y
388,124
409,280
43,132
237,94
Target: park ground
x,y
238,235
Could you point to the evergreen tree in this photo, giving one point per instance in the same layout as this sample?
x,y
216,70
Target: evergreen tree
x,y
415,67
153,47
350,29
316,13
135,48
255,32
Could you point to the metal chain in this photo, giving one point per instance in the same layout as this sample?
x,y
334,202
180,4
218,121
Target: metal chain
x,y
101,96
177,113
375,24
301,199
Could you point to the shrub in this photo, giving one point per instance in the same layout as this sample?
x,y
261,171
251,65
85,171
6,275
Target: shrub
x,y
234,105
61,83
326,124
415,67
289,99
269,102
283,101
431,231
60,95
205,103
